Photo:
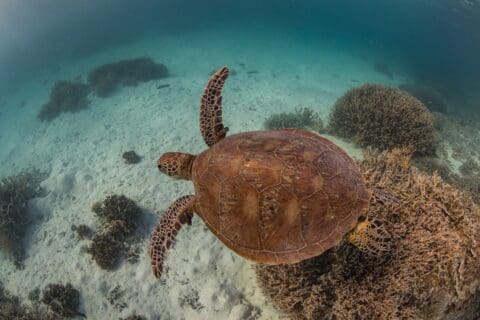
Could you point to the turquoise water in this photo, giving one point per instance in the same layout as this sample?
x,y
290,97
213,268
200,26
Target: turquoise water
x,y
283,55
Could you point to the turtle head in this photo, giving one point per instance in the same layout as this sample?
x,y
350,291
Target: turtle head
x,y
176,164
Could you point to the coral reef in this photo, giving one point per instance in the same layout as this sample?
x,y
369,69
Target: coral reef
x,y
430,97
66,96
11,308
105,79
458,142
131,157
83,231
119,216
62,300
15,191
303,118
431,272
383,118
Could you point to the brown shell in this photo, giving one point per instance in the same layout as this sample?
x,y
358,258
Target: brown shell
x,y
278,196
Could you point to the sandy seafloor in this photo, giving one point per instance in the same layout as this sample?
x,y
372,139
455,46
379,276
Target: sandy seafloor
x,y
81,152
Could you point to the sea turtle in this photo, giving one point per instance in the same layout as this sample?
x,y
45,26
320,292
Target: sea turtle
x,y
278,196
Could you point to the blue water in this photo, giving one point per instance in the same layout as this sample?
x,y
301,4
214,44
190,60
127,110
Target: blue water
x,y
283,55
436,42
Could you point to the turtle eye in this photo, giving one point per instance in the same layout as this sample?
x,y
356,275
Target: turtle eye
x,y
161,166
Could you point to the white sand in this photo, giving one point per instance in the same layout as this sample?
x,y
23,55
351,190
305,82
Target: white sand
x,y
82,154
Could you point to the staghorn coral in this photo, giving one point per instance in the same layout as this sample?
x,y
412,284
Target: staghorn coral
x,y
458,139
106,250
383,118
304,118
105,79
62,300
431,272
15,191
83,231
119,216
66,96
12,308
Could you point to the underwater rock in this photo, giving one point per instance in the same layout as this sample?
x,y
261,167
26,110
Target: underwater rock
x,y
303,118
105,79
430,97
134,317
431,273
66,96
131,157
163,86
383,118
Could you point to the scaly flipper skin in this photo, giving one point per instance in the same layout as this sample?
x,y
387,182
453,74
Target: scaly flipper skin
x,y
211,125
371,237
179,213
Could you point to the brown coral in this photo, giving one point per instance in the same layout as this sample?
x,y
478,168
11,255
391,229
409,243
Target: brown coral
x,y
431,273
105,79
383,118
66,96
120,217
15,191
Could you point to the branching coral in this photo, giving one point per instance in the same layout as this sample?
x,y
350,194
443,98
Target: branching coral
x,y
62,300
431,273
15,192
458,139
304,118
119,216
12,308
66,96
105,79
383,118
83,231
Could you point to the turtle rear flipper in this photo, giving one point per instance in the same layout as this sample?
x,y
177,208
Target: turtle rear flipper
x,y
371,236
179,213
211,125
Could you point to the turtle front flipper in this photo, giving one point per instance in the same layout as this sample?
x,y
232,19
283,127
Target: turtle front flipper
x,y
179,213
371,236
211,125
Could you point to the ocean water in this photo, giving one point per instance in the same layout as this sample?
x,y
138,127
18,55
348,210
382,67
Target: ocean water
x,y
283,55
